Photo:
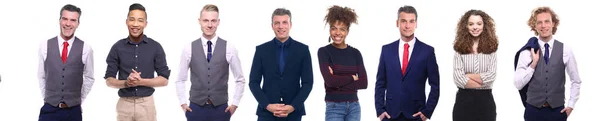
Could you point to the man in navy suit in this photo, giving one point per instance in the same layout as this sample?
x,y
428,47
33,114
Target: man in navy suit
x,y
404,67
285,65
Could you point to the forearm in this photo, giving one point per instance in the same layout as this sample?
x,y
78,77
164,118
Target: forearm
x,y
154,82
115,83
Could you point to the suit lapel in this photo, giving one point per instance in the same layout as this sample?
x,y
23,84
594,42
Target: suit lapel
x,y
396,66
413,55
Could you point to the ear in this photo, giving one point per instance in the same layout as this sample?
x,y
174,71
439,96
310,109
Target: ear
x,y
398,23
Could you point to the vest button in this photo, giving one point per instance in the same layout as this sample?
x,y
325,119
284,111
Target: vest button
x,y
63,69
208,75
63,76
208,68
62,90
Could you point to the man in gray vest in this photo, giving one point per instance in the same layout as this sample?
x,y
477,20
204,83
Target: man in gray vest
x,y
544,71
209,58
66,70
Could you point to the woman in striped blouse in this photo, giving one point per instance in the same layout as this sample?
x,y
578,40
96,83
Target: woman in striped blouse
x,y
342,68
475,67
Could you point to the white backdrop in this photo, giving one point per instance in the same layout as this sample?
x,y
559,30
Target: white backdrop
x,y
173,23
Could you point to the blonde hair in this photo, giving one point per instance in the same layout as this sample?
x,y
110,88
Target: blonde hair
x,y
533,19
210,7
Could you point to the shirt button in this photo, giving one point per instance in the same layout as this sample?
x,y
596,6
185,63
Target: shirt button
x,y
135,56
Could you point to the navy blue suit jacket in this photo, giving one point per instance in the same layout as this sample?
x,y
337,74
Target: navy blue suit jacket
x,y
531,43
292,87
399,94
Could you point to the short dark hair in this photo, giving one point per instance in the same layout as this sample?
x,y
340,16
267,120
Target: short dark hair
x,y
408,9
281,12
71,8
137,6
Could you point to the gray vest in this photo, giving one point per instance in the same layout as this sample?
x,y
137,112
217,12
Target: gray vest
x,y
209,79
548,81
63,81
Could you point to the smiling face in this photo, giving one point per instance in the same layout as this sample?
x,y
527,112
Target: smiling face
x,y
338,32
209,21
69,21
544,25
475,25
281,25
136,22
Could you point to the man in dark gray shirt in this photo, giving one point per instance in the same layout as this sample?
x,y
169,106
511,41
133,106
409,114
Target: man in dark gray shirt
x,y
135,59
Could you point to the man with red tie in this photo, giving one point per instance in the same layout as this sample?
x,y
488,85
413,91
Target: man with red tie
x,y
404,66
66,70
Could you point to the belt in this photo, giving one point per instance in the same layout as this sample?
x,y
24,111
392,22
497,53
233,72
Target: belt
x,y
546,105
208,102
63,105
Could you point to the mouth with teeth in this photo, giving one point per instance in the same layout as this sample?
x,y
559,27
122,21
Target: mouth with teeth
x,y
135,30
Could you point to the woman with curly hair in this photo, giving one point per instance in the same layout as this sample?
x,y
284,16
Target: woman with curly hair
x,y
475,67
342,68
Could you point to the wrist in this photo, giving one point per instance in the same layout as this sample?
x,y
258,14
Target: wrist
x,y
125,84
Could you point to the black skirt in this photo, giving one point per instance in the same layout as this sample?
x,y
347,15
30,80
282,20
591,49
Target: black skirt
x,y
474,105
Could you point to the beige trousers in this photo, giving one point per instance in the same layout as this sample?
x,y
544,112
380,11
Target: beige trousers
x,y
136,109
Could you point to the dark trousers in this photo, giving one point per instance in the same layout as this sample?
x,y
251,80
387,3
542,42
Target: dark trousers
x,y
54,113
474,105
544,114
208,112
273,118
403,118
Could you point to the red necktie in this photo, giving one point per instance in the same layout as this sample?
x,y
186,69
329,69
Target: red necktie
x,y
405,58
64,51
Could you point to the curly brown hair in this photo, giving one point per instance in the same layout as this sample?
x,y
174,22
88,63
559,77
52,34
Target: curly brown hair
x,y
341,14
539,10
488,41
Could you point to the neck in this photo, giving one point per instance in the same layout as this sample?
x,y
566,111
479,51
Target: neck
x,y
408,38
209,37
546,39
66,38
342,45
136,39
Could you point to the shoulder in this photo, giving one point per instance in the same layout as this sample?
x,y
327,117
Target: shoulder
x,y
424,45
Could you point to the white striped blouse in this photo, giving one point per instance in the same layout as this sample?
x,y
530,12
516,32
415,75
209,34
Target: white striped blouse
x,y
482,64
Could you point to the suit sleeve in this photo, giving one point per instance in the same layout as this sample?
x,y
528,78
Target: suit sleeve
x,y
380,85
306,80
256,75
433,75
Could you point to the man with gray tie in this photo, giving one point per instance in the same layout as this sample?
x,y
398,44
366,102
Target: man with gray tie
x,y
544,71
209,58
65,71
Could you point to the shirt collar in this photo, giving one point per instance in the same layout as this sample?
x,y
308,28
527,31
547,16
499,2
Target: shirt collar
x,y
285,44
411,43
61,40
144,40
541,43
213,40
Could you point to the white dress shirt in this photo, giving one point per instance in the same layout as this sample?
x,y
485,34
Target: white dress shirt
x,y
87,58
411,46
231,55
524,72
